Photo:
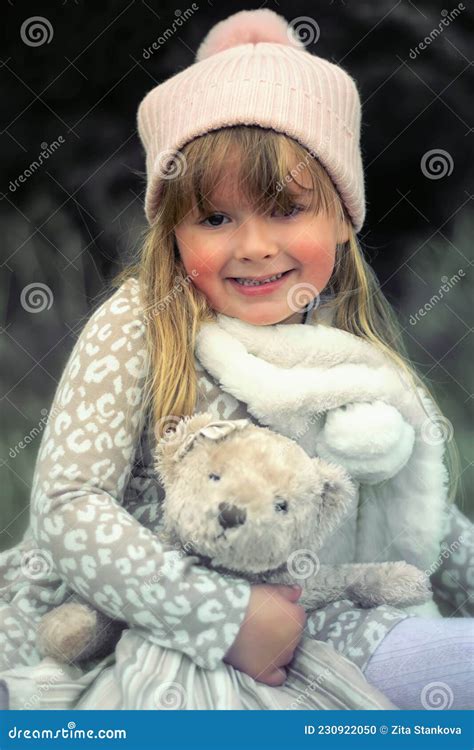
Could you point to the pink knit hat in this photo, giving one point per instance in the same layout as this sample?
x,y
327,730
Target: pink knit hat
x,y
252,69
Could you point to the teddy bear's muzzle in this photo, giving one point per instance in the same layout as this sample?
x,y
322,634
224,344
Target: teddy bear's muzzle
x,y
231,515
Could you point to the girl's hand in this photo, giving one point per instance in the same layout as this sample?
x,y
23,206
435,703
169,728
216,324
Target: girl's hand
x,y
269,634
371,440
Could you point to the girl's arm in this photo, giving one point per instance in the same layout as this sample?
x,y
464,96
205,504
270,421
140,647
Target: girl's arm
x,y
453,576
85,459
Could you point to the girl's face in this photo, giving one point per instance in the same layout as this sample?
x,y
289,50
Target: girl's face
x,y
236,242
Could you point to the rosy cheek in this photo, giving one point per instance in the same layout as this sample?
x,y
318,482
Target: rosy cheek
x,y
314,255
205,274
196,256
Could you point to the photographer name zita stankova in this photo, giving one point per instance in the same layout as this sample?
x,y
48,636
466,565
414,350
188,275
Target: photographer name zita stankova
x,y
373,729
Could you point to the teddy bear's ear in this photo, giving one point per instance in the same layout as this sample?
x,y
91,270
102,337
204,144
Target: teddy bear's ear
x,y
335,498
170,449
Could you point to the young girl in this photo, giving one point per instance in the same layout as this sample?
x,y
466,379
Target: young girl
x,y
254,171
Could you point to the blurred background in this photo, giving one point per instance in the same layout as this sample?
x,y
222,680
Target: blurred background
x,y
72,76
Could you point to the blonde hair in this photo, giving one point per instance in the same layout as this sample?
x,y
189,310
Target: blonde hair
x,y
174,308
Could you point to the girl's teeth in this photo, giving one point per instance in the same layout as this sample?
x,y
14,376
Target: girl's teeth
x,y
250,282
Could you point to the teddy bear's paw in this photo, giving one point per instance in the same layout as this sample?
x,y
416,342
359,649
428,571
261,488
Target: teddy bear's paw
x,y
402,584
396,583
65,632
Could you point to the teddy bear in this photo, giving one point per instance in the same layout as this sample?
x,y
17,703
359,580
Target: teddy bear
x,y
245,501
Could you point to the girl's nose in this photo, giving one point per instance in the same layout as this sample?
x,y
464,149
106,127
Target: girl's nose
x,y
256,241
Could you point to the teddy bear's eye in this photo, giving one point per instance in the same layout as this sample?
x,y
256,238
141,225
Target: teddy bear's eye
x,y
214,477
281,506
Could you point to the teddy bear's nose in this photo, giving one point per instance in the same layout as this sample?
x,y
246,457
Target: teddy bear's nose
x,y
231,515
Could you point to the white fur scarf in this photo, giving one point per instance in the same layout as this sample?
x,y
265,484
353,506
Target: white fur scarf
x,y
291,376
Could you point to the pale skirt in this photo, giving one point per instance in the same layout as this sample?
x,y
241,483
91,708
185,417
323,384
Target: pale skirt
x,y
143,675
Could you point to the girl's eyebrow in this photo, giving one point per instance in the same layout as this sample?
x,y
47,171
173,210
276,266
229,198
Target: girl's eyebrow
x,y
217,202
220,202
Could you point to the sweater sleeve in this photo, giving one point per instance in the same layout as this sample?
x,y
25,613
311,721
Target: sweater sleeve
x,y
452,575
77,516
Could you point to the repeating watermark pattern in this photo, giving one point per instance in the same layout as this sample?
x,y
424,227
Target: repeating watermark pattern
x,y
36,31
33,433
447,18
446,286
47,150
314,683
178,287
303,297
305,29
170,695
44,688
313,419
170,164
36,564
445,554
437,696
303,563
178,22
436,164
295,171
437,431
166,429
36,297
177,552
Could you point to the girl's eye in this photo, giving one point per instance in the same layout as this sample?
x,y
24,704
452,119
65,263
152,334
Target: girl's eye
x,y
298,210
212,217
214,477
295,210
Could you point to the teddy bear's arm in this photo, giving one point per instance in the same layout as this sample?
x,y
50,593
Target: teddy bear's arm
x,y
365,584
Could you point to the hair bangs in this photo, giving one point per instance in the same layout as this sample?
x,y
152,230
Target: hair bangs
x,y
271,172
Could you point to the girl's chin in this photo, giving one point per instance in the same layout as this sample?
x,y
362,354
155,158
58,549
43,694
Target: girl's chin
x,y
256,317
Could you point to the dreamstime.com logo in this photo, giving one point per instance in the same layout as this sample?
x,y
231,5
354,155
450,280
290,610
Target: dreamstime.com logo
x,y
36,297
181,18
437,430
304,29
446,20
303,564
446,286
179,284
303,297
47,150
170,164
436,164
170,696
437,696
295,171
69,732
36,31
33,433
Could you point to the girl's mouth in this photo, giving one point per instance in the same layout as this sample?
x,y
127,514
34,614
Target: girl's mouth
x,y
253,288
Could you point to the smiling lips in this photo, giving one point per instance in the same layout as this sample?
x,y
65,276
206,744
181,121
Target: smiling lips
x,y
260,278
254,288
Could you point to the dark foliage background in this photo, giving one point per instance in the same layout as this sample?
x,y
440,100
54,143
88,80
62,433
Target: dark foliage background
x,y
72,223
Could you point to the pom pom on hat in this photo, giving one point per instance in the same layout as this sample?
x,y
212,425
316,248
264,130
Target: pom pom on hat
x,y
248,27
